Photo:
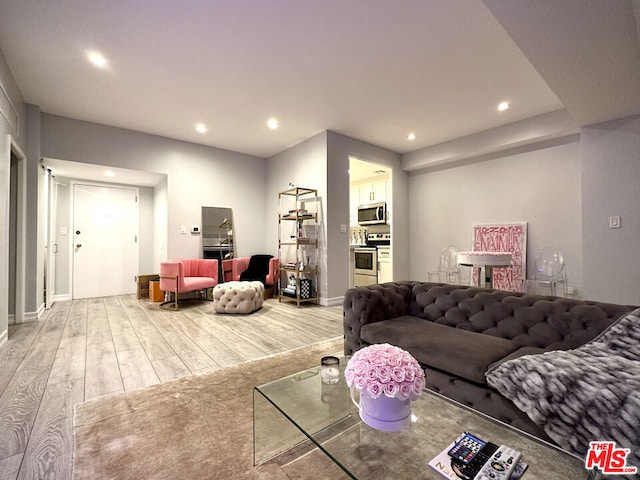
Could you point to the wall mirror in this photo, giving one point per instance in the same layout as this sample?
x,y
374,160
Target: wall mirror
x,y
217,235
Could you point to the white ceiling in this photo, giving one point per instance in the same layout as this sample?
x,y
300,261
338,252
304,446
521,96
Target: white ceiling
x,y
361,170
370,69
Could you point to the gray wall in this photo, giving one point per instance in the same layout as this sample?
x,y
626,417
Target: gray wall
x,y
540,187
611,186
146,214
160,224
566,189
196,175
35,217
322,162
304,165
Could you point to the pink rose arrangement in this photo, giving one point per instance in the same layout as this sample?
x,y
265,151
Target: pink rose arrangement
x,y
385,369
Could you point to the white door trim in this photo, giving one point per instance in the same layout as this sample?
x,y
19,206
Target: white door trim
x,y
50,280
21,226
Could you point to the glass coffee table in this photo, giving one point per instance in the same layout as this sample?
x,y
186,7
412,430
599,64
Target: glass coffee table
x,y
297,413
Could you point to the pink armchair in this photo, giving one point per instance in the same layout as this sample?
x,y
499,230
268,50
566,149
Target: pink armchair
x,y
233,268
180,276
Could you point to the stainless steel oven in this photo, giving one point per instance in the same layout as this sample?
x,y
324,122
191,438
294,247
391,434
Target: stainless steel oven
x,y
366,266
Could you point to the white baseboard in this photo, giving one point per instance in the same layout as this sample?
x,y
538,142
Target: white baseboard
x,y
63,297
30,317
4,337
331,302
12,318
27,317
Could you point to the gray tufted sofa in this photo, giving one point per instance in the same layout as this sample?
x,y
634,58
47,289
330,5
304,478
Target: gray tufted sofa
x,y
457,332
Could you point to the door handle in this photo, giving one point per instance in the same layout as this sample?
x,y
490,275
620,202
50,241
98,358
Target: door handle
x,y
78,245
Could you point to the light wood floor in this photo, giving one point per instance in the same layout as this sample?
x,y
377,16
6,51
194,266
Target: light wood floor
x,y
85,349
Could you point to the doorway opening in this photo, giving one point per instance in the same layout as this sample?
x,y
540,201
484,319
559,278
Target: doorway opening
x,y
370,187
149,237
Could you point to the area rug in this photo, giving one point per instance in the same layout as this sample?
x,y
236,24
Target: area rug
x,y
197,427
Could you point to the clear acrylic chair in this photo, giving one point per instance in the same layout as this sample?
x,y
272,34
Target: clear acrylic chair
x,y
548,273
448,271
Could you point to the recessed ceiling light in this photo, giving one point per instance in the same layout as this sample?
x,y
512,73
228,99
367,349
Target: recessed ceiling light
x,y
502,106
201,128
110,173
273,123
411,136
97,59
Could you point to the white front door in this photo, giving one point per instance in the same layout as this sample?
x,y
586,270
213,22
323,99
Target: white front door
x,y
105,242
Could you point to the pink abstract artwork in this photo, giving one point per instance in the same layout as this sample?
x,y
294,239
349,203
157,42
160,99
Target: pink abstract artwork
x,y
505,237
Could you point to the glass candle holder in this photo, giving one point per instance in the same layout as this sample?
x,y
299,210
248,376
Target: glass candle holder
x,y
330,369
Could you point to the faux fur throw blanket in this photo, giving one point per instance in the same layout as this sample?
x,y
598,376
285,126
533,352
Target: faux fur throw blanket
x,y
583,395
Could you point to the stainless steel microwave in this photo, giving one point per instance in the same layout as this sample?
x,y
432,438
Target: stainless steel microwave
x,y
373,213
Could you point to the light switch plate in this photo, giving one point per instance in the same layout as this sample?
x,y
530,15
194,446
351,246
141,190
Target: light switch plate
x,y
183,229
614,222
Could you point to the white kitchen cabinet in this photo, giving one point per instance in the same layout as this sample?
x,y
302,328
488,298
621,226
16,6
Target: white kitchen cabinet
x,y
354,201
379,191
385,267
373,191
364,197
352,267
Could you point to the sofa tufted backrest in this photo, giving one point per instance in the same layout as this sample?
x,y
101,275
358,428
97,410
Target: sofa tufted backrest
x,y
553,323
199,267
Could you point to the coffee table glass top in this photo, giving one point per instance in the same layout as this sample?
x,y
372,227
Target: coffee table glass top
x,y
300,407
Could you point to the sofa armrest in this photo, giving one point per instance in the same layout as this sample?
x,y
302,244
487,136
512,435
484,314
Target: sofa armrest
x,y
171,275
240,264
227,270
370,304
272,276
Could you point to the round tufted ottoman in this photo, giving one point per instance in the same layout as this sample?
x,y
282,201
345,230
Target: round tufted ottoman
x,y
238,297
